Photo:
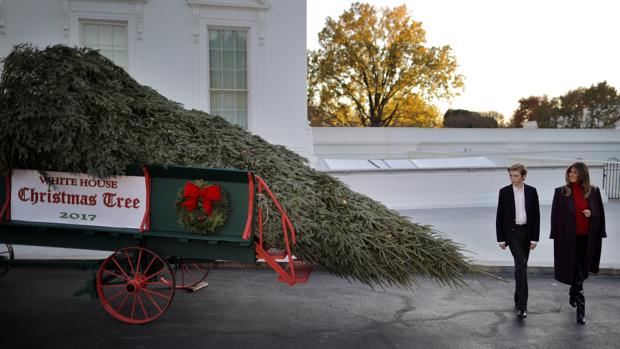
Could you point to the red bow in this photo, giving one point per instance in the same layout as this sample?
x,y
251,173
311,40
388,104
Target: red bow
x,y
193,193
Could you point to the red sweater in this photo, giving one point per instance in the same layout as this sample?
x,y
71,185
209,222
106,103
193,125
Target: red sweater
x,y
581,204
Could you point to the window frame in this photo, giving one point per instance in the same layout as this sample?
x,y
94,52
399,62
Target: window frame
x,y
134,47
246,90
201,81
82,21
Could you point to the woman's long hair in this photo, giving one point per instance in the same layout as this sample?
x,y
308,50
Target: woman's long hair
x,y
583,178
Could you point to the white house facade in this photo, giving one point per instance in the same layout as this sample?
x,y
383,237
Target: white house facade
x,y
242,59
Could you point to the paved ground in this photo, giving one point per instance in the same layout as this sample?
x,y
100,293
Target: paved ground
x,y
247,308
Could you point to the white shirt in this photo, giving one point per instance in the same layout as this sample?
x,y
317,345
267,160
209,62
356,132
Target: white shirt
x,y
521,216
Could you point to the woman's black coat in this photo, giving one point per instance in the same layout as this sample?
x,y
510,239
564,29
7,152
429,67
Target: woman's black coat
x,y
563,233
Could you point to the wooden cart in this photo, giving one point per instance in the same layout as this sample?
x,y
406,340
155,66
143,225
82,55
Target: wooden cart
x,y
136,283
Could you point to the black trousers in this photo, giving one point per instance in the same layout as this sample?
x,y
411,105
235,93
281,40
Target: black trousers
x,y
520,249
579,272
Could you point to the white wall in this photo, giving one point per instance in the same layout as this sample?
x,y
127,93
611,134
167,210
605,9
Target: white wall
x,y
168,50
546,152
405,142
458,187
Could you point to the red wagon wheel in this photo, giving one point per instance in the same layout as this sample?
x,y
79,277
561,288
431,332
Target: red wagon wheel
x,y
135,285
6,254
189,274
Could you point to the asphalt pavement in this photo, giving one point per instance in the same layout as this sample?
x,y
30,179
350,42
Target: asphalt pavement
x,y
248,308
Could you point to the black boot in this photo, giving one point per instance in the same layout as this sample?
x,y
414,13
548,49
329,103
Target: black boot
x,y
581,308
572,300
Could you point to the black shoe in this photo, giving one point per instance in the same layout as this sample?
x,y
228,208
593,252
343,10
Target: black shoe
x,y
581,309
522,314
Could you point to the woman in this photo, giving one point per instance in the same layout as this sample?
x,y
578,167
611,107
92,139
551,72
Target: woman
x,y
577,228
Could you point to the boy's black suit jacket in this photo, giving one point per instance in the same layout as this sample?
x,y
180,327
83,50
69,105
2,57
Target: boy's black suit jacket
x,y
506,213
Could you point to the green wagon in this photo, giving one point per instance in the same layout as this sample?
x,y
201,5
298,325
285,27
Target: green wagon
x,y
158,253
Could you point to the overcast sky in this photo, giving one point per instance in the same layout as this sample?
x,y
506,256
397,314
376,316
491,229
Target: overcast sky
x,y
510,49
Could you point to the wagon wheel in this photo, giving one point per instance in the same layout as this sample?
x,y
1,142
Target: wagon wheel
x,y
6,254
135,285
189,274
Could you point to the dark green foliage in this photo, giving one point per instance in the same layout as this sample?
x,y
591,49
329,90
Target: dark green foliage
x,y
460,118
72,110
54,109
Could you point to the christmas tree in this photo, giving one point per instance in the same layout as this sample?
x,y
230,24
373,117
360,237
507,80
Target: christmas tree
x,y
73,110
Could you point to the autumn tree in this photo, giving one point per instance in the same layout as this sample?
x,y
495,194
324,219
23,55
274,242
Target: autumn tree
x,y
415,112
603,103
595,107
374,69
543,110
570,111
525,111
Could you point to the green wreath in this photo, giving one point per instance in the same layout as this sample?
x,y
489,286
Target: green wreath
x,y
193,211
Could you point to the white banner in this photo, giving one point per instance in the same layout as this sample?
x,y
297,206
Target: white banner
x,y
67,198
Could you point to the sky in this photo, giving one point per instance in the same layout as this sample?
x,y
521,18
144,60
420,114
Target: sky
x,y
510,49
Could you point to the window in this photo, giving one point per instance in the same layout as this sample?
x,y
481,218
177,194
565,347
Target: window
x,y
110,38
228,82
